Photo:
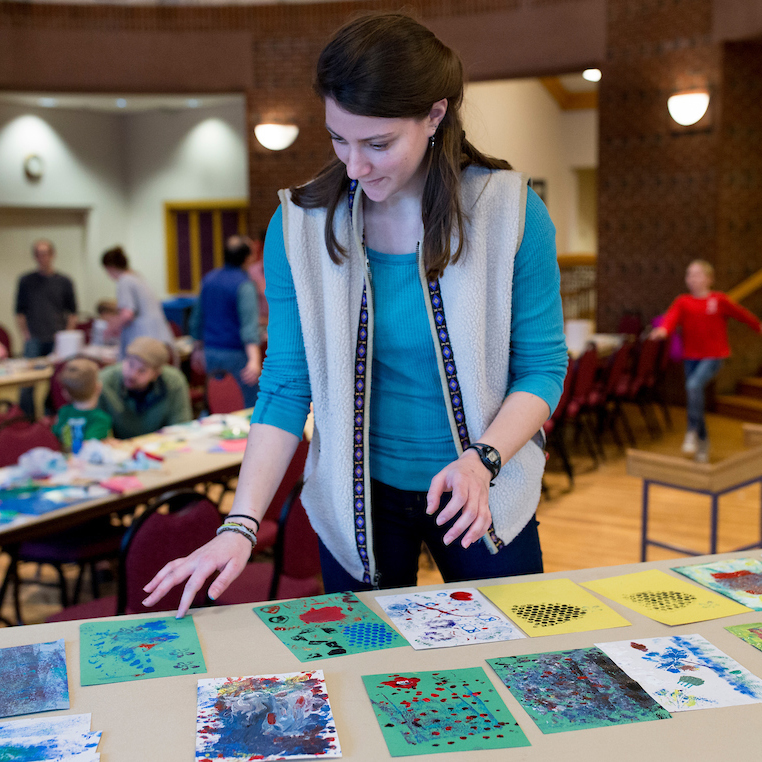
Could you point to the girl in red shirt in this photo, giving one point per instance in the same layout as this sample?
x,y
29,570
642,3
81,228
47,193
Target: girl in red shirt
x,y
703,316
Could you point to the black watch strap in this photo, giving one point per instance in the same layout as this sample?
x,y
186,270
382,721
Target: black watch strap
x,y
489,456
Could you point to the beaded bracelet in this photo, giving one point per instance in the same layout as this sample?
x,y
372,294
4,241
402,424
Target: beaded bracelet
x,y
240,529
242,516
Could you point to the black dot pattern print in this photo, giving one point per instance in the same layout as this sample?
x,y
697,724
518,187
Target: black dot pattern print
x,y
548,614
663,600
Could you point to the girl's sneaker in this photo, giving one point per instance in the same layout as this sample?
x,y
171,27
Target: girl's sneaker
x,y
702,451
690,443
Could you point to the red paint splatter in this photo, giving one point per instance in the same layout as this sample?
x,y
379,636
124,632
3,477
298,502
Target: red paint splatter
x,y
731,575
270,718
325,614
147,646
460,595
638,646
408,683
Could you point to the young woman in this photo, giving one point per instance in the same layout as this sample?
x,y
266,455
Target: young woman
x,y
140,312
703,315
414,300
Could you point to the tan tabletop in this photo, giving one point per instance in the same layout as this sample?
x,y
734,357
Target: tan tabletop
x,y
21,376
177,470
155,719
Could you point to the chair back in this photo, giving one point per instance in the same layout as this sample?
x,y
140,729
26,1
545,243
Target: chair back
x,y
563,401
177,332
155,538
223,395
57,397
645,372
10,412
584,382
297,553
291,478
617,369
19,437
5,340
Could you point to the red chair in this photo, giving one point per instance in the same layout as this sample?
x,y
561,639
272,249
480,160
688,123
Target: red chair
x,y
639,386
578,411
18,437
154,539
223,395
605,399
296,568
5,340
10,412
177,332
555,432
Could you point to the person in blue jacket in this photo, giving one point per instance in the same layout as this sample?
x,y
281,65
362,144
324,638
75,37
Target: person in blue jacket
x,y
414,301
225,321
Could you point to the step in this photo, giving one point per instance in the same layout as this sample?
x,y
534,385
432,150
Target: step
x,y
736,406
750,387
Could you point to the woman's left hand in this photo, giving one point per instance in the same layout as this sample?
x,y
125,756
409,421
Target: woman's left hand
x,y
468,479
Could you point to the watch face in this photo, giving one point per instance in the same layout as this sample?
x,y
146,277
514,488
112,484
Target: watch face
x,y
493,456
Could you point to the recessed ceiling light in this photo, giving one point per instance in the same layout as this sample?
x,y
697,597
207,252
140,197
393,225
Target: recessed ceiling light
x,y
592,75
121,103
193,102
48,102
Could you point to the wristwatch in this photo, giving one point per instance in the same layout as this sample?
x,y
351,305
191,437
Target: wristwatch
x,y
489,456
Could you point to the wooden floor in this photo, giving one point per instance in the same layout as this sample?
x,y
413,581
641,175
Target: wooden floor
x,y
597,523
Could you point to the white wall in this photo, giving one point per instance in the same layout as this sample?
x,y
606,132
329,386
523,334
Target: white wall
x,y
518,120
119,169
179,156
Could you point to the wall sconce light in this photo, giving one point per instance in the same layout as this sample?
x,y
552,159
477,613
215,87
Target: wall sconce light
x,y
276,137
688,107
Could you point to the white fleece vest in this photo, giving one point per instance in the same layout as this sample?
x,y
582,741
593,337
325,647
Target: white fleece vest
x,y
470,317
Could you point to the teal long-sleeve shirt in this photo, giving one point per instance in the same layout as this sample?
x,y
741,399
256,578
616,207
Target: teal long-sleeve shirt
x,y
407,408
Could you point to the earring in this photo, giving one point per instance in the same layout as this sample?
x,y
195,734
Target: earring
x,y
431,141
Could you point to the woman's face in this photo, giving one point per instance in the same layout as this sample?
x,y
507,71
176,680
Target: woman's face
x,y
113,272
385,155
697,279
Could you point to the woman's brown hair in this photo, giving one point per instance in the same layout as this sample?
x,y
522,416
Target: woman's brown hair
x,y
388,65
115,258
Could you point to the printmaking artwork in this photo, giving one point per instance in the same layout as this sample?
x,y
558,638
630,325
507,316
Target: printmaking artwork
x,y
685,672
33,679
79,746
46,726
751,633
737,578
452,617
265,717
116,651
572,690
665,598
552,607
448,710
324,626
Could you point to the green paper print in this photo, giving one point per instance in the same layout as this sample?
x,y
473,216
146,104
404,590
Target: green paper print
x,y
448,710
117,651
322,626
573,690
751,633
737,578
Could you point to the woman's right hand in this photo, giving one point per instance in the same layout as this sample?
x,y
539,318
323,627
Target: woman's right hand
x,y
658,333
227,553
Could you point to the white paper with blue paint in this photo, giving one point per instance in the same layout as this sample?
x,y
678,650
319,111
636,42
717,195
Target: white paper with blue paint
x,y
449,617
685,672
46,726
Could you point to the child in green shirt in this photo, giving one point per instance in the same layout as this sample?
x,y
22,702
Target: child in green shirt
x,y
81,419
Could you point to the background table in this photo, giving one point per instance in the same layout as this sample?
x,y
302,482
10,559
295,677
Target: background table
x,y
19,377
156,719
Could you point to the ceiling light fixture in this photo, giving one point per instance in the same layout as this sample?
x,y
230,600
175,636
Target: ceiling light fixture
x,y
592,75
276,137
688,107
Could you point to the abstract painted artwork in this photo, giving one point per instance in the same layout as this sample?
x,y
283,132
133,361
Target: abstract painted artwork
x,y
322,626
552,607
33,678
116,651
265,717
52,739
685,672
738,578
452,617
665,598
751,633
448,710
572,690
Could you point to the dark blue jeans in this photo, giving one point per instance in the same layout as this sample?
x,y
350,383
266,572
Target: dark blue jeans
x,y
698,374
400,525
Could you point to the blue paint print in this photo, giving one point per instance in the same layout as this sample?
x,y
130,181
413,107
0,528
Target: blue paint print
x,y
265,717
685,672
45,726
34,679
116,651
51,749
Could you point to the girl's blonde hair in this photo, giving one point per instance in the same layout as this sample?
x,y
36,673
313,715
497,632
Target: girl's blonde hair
x,y
708,267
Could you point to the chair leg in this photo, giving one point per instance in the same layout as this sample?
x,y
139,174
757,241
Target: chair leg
x,y
564,454
620,414
62,584
11,577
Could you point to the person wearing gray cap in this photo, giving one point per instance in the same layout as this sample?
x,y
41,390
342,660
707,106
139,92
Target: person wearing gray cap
x,y
144,393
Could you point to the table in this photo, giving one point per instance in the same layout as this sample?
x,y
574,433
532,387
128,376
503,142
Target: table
x,y
712,479
17,374
155,719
